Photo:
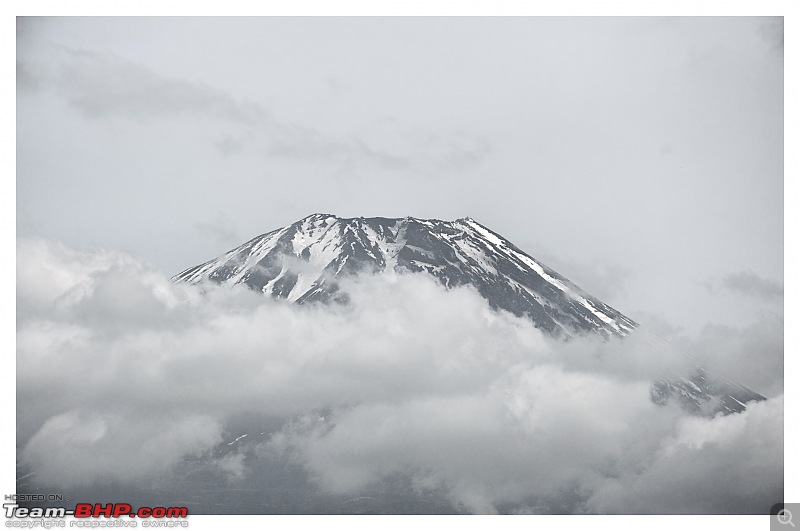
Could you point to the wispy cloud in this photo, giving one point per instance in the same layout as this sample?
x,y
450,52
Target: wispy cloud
x,y
748,283
422,151
101,85
221,229
104,86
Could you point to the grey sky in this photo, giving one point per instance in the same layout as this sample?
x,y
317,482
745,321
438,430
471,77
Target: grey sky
x,y
640,157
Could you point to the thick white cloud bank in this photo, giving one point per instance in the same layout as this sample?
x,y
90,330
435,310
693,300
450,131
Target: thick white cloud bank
x,y
123,376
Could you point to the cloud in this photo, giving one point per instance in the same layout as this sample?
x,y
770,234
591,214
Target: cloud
x,y
102,85
752,355
509,444
606,281
61,268
228,145
221,230
80,447
748,283
708,465
386,145
410,389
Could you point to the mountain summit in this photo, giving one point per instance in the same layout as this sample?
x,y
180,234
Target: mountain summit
x,y
302,261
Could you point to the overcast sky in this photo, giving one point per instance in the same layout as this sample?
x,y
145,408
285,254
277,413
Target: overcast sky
x,y
640,157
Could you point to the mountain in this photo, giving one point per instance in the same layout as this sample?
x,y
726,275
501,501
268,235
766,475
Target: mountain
x,y
302,262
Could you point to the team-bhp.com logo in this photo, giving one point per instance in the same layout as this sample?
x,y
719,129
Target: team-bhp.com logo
x,y
85,515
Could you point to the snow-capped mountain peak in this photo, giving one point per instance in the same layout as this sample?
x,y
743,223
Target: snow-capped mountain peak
x,y
300,262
